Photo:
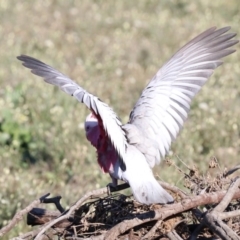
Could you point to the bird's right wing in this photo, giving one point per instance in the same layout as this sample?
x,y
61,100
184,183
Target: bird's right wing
x,y
164,104
111,125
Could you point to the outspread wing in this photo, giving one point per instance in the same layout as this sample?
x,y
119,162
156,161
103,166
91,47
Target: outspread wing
x,y
110,122
164,104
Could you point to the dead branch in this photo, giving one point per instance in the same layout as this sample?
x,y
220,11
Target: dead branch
x,y
68,213
19,215
214,222
101,237
231,214
228,197
232,170
173,189
32,234
167,211
159,214
98,215
218,227
152,231
173,235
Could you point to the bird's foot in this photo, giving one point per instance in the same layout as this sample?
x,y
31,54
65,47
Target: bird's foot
x,y
111,188
115,188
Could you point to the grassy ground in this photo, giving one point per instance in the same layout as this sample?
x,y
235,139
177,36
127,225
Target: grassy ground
x,y
111,48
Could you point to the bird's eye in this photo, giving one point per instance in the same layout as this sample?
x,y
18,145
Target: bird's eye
x,y
87,128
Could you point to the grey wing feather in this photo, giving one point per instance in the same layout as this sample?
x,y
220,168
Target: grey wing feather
x,y
110,121
163,107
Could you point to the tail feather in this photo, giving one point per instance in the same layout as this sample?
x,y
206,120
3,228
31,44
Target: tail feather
x,y
149,191
139,175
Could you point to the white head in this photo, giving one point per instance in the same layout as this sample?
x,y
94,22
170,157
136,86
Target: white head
x,y
92,129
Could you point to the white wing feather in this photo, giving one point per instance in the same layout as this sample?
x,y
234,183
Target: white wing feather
x,y
110,121
164,104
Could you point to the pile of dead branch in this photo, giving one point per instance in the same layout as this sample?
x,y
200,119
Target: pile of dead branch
x,y
210,211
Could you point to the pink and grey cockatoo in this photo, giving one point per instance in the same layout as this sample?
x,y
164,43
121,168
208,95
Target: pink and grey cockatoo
x,y
129,152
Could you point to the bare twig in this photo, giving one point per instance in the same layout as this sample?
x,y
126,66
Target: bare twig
x,y
28,235
167,211
82,219
152,231
214,222
100,237
173,235
174,189
231,214
19,215
68,213
228,197
232,170
220,228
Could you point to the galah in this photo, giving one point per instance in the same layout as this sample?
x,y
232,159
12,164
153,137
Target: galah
x,y
129,152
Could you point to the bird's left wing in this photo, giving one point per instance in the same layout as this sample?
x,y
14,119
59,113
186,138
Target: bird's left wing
x,y
163,106
107,117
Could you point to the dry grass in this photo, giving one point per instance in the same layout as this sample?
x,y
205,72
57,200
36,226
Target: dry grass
x,y
112,49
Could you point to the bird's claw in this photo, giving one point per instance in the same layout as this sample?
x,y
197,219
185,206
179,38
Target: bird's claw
x,y
110,188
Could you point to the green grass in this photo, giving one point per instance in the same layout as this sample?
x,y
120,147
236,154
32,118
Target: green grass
x,y
111,48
